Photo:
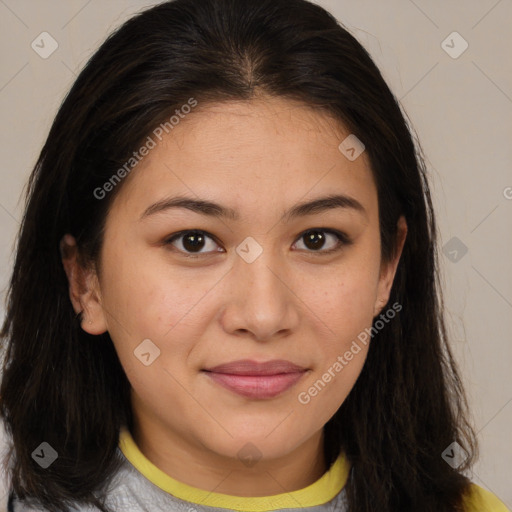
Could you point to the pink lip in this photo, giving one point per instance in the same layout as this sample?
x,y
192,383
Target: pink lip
x,y
257,380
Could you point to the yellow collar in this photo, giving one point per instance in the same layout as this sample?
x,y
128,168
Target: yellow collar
x,y
318,493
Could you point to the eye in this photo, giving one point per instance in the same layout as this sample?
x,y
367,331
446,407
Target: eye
x,y
315,240
193,241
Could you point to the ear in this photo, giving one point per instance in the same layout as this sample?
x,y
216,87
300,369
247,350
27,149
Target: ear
x,y
84,289
388,269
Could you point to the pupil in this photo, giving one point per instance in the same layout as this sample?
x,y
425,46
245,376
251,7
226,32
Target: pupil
x,y
313,239
193,241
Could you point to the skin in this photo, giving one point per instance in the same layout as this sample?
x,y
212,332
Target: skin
x,y
293,302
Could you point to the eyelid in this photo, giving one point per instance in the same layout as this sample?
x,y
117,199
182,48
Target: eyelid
x,y
343,240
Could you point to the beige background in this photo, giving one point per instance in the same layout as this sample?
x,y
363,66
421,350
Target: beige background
x,y
460,107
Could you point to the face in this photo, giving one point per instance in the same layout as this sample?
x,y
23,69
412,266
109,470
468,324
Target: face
x,y
266,283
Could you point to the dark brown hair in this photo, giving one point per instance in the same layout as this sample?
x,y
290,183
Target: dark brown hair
x,y
63,386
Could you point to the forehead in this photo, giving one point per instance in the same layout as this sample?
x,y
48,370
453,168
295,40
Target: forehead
x,y
243,126
269,150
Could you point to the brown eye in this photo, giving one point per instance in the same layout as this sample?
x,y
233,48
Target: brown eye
x,y
192,242
316,239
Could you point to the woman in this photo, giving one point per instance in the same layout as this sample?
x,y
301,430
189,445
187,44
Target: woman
x,y
225,292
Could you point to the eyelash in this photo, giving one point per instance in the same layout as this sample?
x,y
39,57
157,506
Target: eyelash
x,y
343,240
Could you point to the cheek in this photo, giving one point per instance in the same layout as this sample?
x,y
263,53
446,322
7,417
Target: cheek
x,y
346,307
148,295
151,300
346,304
153,316
324,392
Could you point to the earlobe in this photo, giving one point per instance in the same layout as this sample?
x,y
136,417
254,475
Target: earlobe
x,y
84,290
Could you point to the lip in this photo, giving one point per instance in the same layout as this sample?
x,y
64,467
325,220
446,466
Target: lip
x,y
257,380
250,367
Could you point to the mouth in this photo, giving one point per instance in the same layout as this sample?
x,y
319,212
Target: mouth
x,y
256,380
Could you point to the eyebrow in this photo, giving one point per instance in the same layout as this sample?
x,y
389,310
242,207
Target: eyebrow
x,y
216,210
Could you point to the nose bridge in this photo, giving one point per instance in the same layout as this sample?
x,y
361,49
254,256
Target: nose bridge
x,y
257,265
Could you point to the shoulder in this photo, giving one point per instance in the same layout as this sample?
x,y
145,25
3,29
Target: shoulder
x,y
481,500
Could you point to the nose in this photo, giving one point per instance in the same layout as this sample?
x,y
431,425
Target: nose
x,y
261,300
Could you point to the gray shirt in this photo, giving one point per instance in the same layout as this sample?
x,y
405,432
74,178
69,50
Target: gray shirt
x,y
131,491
